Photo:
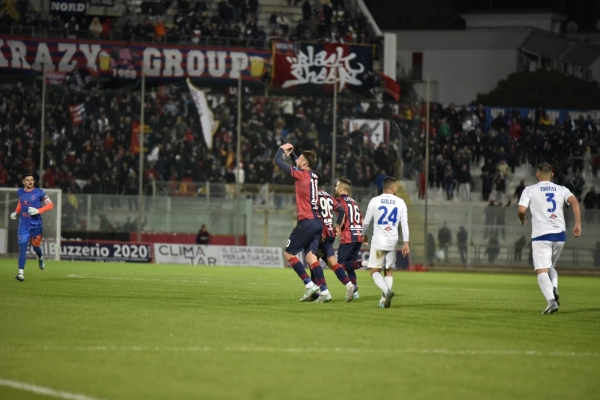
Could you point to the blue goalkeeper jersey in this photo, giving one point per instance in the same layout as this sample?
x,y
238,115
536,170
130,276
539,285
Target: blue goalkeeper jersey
x,y
36,198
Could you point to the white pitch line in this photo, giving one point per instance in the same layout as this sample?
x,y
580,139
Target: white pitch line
x,y
115,278
28,387
262,349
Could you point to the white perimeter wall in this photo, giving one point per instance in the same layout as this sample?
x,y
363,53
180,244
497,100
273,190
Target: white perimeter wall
x,y
461,74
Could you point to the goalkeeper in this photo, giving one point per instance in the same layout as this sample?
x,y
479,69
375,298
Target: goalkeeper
x,y
33,202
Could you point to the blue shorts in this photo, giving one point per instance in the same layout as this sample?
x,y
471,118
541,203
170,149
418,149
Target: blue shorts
x,y
326,248
349,252
305,236
33,234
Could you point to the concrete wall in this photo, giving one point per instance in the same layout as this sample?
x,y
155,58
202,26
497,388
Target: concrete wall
x,y
547,22
461,74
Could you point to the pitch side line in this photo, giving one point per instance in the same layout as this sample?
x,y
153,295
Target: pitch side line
x,y
28,387
242,349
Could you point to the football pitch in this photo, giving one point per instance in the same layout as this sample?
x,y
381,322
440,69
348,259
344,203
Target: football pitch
x,y
126,331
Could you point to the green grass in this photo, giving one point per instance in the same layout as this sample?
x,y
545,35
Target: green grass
x,y
124,331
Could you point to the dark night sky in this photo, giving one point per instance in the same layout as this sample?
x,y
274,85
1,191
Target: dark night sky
x,y
443,14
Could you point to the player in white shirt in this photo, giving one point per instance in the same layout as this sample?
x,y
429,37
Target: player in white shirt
x,y
548,233
388,211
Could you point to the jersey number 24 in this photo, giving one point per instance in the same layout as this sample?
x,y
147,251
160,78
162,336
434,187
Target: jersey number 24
x,y
393,217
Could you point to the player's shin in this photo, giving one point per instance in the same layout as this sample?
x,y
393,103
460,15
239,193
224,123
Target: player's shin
x,y
546,286
553,277
22,256
320,276
38,251
389,281
379,281
349,266
298,267
340,273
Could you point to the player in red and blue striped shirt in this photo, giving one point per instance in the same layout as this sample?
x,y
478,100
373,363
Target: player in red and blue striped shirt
x,y
307,233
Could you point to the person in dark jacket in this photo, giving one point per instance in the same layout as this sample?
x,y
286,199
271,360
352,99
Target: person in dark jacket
x,y
461,241
203,237
519,244
444,240
590,201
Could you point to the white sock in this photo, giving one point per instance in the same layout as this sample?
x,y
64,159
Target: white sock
x,y
365,263
546,286
324,292
553,277
21,272
309,284
389,281
378,279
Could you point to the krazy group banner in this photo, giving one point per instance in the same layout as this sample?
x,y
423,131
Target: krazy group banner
x,y
305,66
193,254
88,59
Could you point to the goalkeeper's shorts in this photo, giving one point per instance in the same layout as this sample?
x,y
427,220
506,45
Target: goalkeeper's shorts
x,y
33,235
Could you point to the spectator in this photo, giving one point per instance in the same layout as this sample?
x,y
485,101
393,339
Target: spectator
x,y
590,201
519,244
490,216
461,241
95,28
160,31
72,28
449,176
444,240
306,10
493,249
500,186
486,185
284,23
430,248
253,9
501,219
106,30
203,237
464,180
519,190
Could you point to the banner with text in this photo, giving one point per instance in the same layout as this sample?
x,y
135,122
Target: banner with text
x,y
316,66
124,60
97,251
68,7
375,130
243,256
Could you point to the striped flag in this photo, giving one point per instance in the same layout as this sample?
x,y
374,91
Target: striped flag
x,y
207,121
77,113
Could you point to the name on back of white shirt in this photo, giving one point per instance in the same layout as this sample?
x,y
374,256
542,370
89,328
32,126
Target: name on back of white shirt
x,y
387,201
548,189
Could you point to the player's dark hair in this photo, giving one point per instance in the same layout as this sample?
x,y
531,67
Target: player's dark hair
x,y
310,157
320,180
389,182
26,174
346,182
544,168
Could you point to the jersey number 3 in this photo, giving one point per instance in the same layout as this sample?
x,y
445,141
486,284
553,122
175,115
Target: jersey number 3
x,y
550,199
393,217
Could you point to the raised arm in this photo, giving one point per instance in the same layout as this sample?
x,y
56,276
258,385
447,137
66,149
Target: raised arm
x,y
280,162
577,213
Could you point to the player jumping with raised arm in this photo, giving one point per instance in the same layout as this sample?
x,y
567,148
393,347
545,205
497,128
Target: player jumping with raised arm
x,y
545,201
387,211
327,206
33,202
351,241
307,233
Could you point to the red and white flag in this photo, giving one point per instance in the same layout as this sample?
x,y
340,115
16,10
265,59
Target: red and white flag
x,y
77,113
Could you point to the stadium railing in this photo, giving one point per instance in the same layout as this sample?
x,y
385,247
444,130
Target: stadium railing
x,y
134,37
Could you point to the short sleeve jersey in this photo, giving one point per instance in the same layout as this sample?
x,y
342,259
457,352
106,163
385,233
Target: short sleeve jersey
x,y
307,197
387,212
545,201
327,205
352,227
35,198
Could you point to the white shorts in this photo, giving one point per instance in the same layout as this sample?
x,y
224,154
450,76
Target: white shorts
x,y
381,259
545,253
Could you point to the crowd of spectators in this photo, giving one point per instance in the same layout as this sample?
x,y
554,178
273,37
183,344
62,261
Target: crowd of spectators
x,y
95,156
468,151
230,22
